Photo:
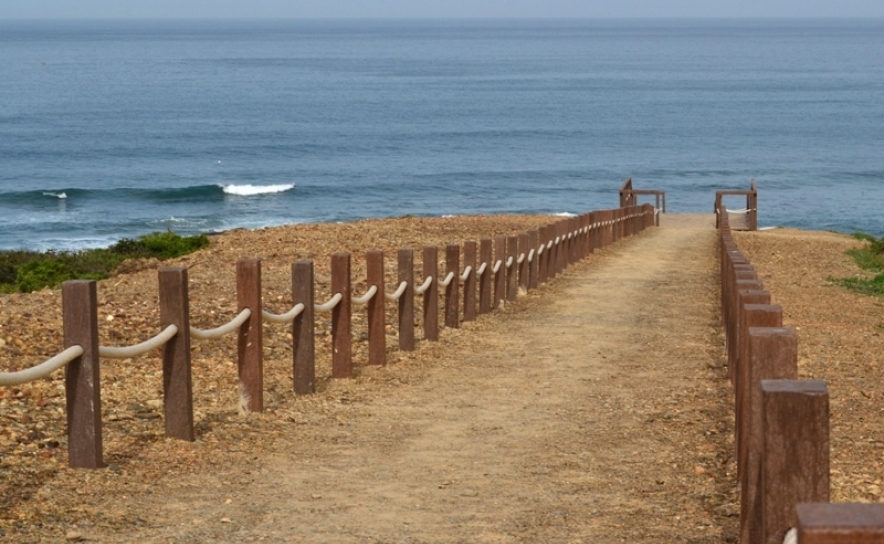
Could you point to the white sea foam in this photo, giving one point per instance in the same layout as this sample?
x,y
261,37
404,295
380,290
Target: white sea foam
x,y
56,195
251,190
565,214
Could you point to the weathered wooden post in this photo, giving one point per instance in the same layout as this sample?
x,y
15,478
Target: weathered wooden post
x,y
82,381
524,265
512,271
561,248
753,315
342,356
533,244
452,290
431,295
469,285
773,355
376,308
406,301
824,523
303,330
250,344
486,288
795,459
177,380
500,275
543,256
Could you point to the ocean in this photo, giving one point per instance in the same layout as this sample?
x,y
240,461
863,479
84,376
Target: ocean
x,y
115,129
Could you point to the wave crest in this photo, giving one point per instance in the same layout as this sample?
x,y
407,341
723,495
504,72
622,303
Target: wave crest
x,y
61,195
252,190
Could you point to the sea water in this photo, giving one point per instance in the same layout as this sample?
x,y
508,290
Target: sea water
x,y
117,128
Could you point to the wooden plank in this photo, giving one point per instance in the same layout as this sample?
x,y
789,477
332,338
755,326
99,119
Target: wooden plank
x,y
431,295
823,523
406,301
486,295
376,309
452,290
341,319
471,283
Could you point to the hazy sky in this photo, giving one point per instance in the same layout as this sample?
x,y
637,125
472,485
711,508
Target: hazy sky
x,y
91,9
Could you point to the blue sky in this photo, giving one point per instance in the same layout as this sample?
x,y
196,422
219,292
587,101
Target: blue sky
x,y
92,9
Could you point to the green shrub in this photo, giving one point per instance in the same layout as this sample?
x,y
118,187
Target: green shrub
x,y
869,257
26,271
39,274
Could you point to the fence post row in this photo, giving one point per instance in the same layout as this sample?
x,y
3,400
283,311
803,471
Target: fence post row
x,y
534,257
782,423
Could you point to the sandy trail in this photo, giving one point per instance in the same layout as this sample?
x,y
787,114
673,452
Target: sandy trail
x,y
560,419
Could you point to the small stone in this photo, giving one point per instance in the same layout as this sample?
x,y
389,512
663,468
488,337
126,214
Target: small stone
x,y
225,520
699,470
73,536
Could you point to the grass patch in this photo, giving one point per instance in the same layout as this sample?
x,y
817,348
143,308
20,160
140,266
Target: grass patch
x,y
27,271
869,257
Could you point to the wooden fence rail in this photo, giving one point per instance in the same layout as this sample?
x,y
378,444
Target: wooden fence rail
x,y
781,422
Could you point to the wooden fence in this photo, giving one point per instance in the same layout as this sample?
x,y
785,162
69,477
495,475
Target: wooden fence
x,y
744,219
629,197
781,422
472,283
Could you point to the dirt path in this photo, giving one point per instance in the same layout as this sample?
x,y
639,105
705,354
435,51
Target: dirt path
x,y
594,411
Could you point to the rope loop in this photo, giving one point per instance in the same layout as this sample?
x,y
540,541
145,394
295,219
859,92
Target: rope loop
x,y
139,349
330,305
287,317
422,288
43,369
372,291
447,281
509,262
218,332
521,258
530,255
496,266
466,273
393,297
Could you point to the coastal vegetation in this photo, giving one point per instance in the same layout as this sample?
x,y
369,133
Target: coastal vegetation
x,y
869,257
26,271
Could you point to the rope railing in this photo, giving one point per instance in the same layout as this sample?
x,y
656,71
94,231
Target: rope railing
x,y
42,370
396,295
422,288
465,284
364,299
113,352
330,305
285,318
447,281
229,327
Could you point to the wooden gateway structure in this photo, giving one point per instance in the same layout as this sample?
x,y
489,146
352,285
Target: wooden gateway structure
x,y
745,219
629,198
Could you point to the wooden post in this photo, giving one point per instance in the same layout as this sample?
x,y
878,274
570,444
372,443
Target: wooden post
x,y
795,459
406,301
342,356
485,285
82,377
753,315
303,330
543,256
823,523
512,272
524,265
773,355
177,381
452,290
250,342
431,295
533,243
561,261
377,333
500,276
469,286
